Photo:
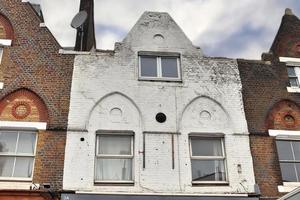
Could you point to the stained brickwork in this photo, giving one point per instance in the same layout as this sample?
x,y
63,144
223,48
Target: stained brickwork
x,y
287,40
37,81
268,105
266,165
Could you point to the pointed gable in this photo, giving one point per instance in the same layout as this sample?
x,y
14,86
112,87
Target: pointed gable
x,y
157,31
287,40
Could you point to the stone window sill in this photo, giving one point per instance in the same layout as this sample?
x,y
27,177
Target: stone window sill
x,y
293,89
288,186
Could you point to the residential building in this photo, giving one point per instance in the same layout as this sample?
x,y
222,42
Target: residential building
x,y
155,117
271,99
35,83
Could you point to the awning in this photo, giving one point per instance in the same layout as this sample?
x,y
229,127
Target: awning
x,y
148,197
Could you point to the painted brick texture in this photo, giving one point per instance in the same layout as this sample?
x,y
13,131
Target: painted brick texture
x,y
104,81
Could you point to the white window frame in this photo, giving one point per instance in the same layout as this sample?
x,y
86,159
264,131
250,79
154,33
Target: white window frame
x,y
289,161
15,155
159,68
290,136
209,158
104,156
296,77
292,62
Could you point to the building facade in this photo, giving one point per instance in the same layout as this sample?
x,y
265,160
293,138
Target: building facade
x,y
271,99
35,83
156,117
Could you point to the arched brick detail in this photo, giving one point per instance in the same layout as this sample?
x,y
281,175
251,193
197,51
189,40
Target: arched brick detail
x,y
23,105
284,115
6,29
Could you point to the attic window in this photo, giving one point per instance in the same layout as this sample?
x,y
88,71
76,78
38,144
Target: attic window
x,y
164,66
293,78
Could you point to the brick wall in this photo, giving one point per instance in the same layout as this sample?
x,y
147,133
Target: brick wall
x,y
287,40
36,78
105,81
267,103
266,165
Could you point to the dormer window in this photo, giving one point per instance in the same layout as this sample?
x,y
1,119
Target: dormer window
x,y
160,66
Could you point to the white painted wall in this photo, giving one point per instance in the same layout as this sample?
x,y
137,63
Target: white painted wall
x,y
103,81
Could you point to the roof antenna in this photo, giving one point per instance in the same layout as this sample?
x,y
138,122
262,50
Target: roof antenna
x,y
77,23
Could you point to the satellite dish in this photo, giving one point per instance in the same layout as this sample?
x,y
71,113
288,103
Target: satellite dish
x,y
79,19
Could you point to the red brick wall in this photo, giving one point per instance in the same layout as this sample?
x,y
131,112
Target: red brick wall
x,y
266,103
35,75
266,165
33,62
287,40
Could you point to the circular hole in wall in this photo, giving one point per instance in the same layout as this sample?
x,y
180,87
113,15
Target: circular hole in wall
x,y
160,117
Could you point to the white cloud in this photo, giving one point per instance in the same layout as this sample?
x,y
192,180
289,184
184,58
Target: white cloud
x,y
206,22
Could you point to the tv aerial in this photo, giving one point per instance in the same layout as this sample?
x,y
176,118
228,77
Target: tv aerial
x,y
79,19
77,23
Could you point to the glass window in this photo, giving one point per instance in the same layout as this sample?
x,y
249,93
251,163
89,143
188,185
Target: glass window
x,y
17,151
148,66
114,158
289,158
159,67
293,79
169,67
207,159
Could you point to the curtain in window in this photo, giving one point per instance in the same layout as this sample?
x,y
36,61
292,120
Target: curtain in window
x,y
17,153
114,169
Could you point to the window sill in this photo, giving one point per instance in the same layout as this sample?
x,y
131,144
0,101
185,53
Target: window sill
x,y
210,183
5,42
288,186
293,89
15,179
160,79
110,183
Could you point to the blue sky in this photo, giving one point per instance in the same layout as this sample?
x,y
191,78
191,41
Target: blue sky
x,y
231,28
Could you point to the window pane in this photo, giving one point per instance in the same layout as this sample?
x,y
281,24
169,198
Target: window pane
x,y
206,147
114,169
148,66
288,172
26,143
298,171
296,148
291,71
169,67
6,166
23,167
208,170
284,150
115,145
293,82
8,142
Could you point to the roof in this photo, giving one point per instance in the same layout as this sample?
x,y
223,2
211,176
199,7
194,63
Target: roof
x,y
287,40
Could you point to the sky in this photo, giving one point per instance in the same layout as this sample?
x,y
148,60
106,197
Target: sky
x,y
227,28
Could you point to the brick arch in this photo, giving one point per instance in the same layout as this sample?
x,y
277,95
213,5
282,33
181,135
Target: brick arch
x,y
23,105
285,115
6,29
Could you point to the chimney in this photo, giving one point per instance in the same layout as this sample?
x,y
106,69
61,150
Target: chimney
x,y
85,38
